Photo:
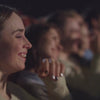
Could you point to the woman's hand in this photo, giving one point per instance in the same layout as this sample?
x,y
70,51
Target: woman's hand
x,y
52,68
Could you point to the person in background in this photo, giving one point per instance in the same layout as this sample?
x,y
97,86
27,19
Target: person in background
x,y
92,19
70,35
71,40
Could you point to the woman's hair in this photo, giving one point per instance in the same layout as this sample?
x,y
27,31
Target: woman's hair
x,y
34,34
5,13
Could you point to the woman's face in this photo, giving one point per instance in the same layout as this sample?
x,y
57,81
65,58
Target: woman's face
x,y
13,45
72,29
50,44
71,35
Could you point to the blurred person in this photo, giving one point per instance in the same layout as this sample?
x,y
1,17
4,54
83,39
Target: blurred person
x,y
94,78
85,51
84,55
13,50
93,22
69,33
92,74
90,84
42,62
72,42
92,19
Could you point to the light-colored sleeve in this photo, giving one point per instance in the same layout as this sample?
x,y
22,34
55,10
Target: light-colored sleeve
x,y
58,90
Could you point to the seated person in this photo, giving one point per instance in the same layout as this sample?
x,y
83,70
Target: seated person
x,y
13,45
42,61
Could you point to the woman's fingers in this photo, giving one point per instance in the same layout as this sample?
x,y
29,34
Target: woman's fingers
x,y
57,69
62,69
50,67
45,64
43,70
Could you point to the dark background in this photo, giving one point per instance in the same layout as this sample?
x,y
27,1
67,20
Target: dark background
x,y
38,8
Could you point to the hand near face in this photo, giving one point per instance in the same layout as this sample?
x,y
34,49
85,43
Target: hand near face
x,y
52,73
51,68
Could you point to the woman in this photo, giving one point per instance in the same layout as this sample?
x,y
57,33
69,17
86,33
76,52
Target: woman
x,y
42,61
13,51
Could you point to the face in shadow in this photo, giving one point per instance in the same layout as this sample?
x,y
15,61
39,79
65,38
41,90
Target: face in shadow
x,y
49,44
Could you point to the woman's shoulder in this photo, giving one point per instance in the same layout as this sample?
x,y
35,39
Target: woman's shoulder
x,y
27,77
18,93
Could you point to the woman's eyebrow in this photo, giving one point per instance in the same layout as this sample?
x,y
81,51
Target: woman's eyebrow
x,y
18,30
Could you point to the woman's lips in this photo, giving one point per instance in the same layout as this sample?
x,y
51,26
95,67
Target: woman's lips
x,y
23,55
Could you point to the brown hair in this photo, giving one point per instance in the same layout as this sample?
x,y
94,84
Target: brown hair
x,y
5,13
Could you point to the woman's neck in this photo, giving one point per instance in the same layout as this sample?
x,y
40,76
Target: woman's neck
x,y
3,83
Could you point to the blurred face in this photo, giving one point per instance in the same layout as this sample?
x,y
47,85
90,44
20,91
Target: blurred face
x,y
79,19
72,29
50,44
13,45
71,35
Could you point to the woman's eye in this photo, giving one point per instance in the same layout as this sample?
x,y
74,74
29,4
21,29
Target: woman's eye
x,y
19,36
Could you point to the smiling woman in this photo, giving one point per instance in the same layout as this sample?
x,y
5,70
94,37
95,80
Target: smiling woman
x,y
14,45
13,50
42,61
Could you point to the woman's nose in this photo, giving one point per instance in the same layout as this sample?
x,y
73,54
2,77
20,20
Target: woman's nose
x,y
27,45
